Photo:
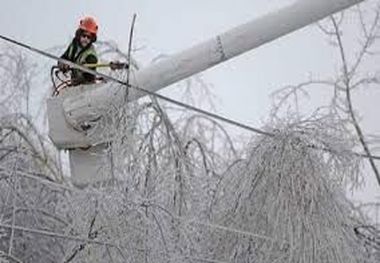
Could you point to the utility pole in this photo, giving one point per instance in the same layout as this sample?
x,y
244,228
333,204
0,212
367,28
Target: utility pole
x,y
73,116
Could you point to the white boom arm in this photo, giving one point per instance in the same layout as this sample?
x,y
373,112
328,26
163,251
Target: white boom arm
x,y
90,104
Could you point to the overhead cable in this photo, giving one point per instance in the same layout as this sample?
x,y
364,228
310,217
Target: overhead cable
x,y
148,92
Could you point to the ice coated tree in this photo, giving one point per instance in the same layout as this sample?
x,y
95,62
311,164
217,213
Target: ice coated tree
x,y
181,188
357,72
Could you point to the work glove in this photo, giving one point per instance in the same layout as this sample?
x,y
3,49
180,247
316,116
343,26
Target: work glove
x,y
76,81
114,65
63,67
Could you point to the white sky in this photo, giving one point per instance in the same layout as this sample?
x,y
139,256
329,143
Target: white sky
x,y
243,84
168,26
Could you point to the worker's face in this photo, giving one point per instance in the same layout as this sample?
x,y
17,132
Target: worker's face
x,y
85,39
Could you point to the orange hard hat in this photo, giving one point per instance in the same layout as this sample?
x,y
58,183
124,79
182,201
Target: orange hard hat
x,y
88,24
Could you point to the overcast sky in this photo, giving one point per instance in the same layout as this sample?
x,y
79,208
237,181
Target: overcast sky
x,y
168,26
243,85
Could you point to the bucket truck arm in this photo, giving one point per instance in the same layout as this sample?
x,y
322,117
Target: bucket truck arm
x,y
68,113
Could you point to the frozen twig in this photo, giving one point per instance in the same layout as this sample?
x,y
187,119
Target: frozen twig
x,y
347,82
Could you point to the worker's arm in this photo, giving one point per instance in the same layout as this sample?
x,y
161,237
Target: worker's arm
x,y
62,66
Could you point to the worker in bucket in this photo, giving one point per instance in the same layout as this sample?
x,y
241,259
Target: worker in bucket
x,y
81,51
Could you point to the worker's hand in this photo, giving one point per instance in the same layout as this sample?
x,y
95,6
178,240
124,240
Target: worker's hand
x,y
75,82
114,65
63,67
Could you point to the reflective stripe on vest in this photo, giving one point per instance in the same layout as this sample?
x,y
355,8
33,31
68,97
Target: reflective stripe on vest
x,y
81,59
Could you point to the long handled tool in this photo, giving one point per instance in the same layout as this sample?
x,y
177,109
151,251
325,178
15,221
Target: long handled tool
x,y
112,65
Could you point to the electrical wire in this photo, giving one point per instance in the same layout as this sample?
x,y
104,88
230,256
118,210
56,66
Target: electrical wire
x,y
178,103
148,92
108,77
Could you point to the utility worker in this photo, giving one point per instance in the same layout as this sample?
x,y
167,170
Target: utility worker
x,y
82,51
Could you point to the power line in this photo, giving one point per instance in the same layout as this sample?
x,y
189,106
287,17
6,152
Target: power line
x,y
173,101
178,103
184,105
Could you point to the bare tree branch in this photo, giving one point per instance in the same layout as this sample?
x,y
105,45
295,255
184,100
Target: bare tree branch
x,y
347,83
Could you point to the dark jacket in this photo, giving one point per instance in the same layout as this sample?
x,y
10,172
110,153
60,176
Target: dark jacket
x,y
81,56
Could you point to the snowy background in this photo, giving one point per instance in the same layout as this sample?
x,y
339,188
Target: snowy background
x,y
242,86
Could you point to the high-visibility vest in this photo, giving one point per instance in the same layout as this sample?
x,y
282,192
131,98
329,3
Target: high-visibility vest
x,y
80,59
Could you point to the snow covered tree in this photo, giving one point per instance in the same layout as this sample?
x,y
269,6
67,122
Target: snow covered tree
x,y
184,190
